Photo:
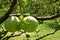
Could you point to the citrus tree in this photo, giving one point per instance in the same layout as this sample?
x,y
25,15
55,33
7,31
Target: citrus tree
x,y
29,11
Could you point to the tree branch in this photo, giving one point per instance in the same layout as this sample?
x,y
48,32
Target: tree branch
x,y
3,33
56,29
48,18
39,18
47,34
7,37
2,19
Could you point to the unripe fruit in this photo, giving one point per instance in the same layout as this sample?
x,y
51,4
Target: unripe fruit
x,y
29,24
11,25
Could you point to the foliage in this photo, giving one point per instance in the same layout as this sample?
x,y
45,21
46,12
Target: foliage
x,y
36,8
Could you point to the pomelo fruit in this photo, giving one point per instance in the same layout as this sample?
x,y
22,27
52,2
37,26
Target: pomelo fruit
x,y
29,24
11,25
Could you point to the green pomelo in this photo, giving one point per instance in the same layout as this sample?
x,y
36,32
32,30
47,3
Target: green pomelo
x,y
29,25
10,25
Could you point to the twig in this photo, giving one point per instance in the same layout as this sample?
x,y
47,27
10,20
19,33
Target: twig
x,y
48,18
57,28
7,37
39,18
3,33
47,34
